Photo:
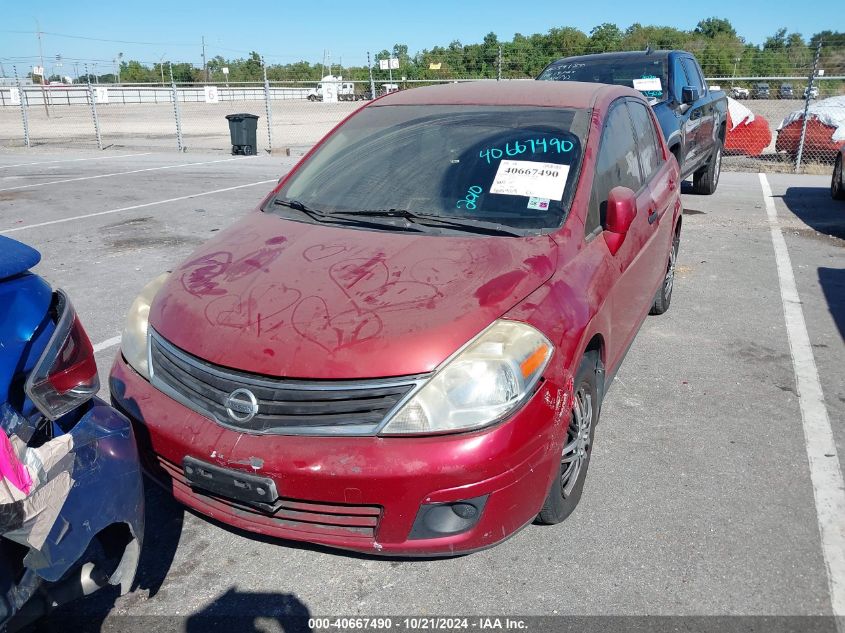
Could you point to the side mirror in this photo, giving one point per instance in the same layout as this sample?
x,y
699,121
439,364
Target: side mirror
x,y
621,211
689,95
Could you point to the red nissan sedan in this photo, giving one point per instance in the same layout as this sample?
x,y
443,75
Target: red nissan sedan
x,y
404,349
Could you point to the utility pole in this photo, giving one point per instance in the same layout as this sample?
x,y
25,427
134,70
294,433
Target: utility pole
x,y
41,57
204,64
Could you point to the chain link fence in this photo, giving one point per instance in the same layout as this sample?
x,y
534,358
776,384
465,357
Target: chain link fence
x,y
767,128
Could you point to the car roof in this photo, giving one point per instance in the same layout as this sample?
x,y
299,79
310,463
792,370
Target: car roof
x,y
616,55
571,94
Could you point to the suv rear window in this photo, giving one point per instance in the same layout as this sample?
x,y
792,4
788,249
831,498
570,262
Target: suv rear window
x,y
514,166
632,71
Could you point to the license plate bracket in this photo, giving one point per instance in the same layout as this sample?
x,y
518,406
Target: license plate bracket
x,y
233,484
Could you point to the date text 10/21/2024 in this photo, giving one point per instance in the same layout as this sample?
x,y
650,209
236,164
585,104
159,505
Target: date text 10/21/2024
x,y
430,623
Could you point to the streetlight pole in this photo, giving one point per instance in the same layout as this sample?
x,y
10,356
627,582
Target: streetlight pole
x,y
161,67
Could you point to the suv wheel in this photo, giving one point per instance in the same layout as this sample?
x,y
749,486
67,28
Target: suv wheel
x,y
837,191
706,179
568,483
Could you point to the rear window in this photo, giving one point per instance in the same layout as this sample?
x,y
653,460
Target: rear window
x,y
648,74
514,166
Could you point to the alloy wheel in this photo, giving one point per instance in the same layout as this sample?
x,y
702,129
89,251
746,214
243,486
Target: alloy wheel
x,y
575,452
669,280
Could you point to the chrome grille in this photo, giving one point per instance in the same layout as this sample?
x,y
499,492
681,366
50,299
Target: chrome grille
x,y
307,407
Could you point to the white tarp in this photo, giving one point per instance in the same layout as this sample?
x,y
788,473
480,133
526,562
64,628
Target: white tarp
x,y
739,113
830,112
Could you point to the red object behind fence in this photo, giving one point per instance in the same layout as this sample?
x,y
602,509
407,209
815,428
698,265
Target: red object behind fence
x,y
748,133
817,140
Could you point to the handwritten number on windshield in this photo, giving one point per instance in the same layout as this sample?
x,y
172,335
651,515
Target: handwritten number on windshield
x,y
535,146
471,198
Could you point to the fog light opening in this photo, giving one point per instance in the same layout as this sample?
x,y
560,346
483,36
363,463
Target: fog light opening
x,y
446,519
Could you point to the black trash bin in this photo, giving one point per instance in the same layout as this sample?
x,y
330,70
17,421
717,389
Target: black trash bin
x,y
243,130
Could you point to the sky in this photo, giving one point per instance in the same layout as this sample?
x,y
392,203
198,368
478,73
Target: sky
x,y
286,31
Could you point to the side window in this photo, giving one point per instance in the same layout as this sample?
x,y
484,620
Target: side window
x,y
650,153
617,164
679,79
694,76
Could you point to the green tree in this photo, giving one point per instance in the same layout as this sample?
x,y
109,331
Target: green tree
x,y
776,42
565,41
605,37
714,27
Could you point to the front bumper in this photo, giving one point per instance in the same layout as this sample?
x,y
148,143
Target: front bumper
x,y
358,493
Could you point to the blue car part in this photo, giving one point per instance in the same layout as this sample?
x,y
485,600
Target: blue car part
x,y
77,520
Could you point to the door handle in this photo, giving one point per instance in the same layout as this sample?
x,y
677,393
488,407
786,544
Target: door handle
x,y
652,216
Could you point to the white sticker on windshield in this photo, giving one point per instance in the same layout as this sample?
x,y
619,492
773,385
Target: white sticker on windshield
x,y
531,179
648,84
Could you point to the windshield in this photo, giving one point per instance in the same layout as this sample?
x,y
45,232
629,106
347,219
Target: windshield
x,y
645,73
510,166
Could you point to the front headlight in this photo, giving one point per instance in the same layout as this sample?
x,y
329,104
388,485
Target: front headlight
x,y
483,383
133,344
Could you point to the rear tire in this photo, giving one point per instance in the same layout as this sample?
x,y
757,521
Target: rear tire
x,y
568,484
664,294
706,179
837,190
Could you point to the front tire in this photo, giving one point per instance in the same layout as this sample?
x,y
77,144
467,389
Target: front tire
x,y
837,191
664,294
706,179
568,484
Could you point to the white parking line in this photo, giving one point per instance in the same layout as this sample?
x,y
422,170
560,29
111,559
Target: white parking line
x,y
74,160
825,472
135,206
109,342
123,173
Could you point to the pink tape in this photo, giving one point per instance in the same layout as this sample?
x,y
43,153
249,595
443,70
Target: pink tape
x,y
11,467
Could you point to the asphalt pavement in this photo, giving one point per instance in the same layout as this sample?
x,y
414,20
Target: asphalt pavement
x,y
699,499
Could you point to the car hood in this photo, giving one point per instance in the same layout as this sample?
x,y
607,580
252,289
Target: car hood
x,y
285,298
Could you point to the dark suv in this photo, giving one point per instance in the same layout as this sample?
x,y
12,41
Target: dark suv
x,y
760,91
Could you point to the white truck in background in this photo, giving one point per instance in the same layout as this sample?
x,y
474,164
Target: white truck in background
x,y
345,91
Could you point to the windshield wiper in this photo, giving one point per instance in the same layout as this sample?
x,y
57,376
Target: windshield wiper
x,y
474,226
314,214
323,216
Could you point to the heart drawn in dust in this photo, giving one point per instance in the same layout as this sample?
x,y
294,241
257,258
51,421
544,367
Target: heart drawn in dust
x,y
263,308
320,251
312,321
366,283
